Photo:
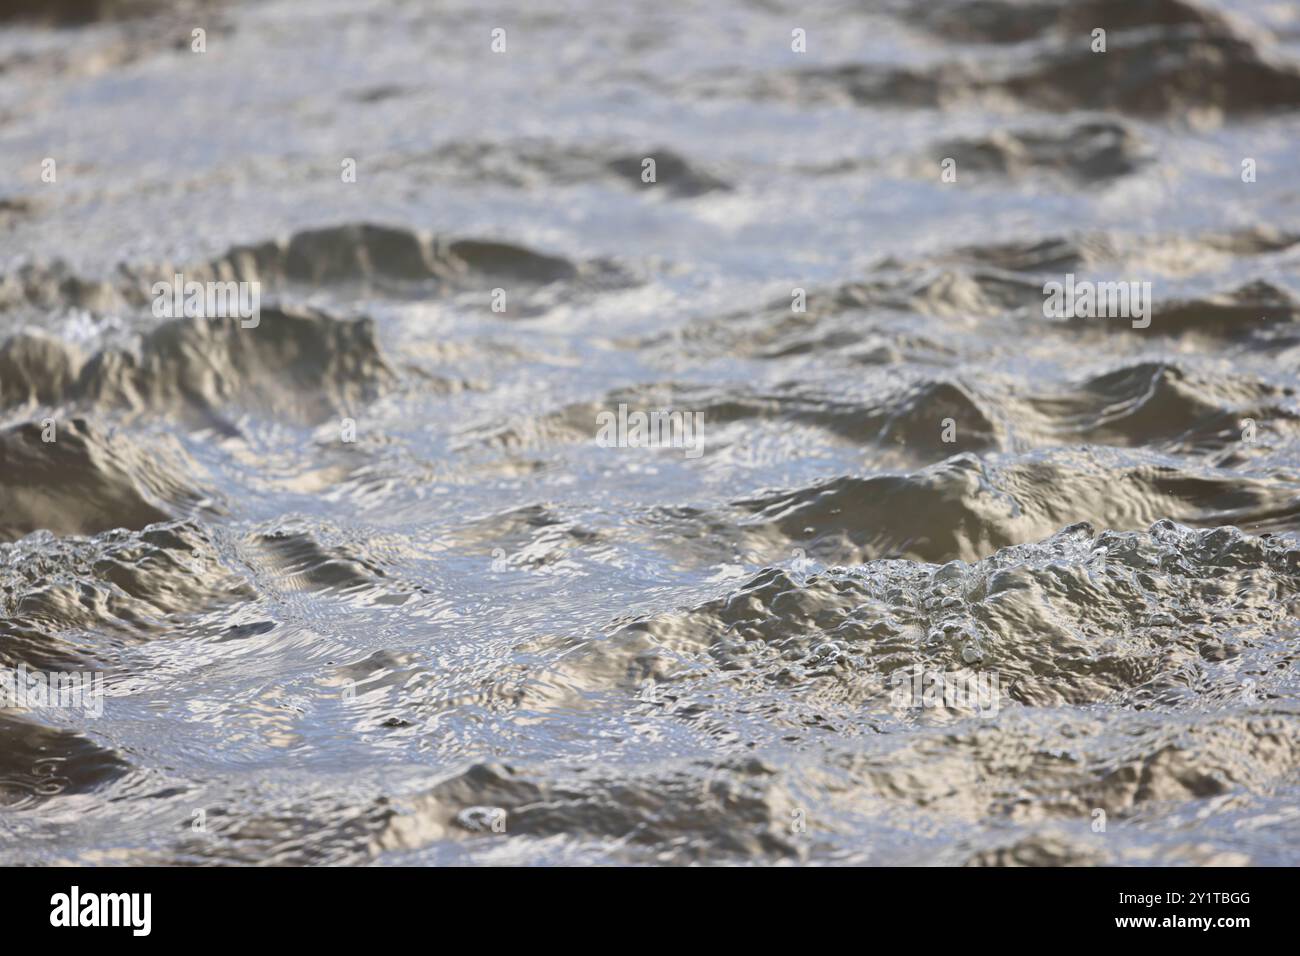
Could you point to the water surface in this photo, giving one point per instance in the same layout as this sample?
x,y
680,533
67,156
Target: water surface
x,y
474,618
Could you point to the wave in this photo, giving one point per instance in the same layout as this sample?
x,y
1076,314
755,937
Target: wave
x,y
1162,59
967,507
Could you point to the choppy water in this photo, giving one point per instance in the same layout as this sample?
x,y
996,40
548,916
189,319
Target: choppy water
x,y
318,650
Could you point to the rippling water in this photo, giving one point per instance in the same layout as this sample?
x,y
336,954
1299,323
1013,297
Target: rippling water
x,y
946,580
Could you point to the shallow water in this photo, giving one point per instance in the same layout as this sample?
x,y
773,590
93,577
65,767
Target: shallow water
x,y
473,634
